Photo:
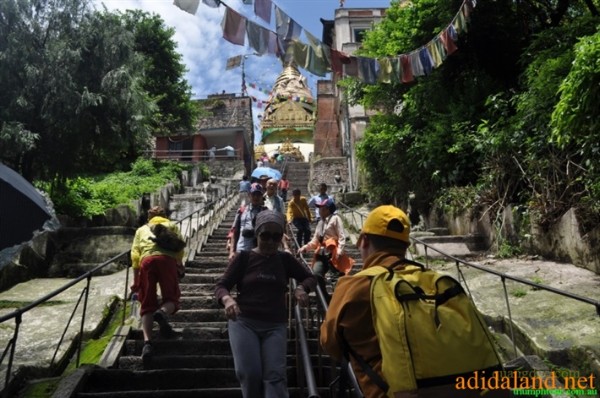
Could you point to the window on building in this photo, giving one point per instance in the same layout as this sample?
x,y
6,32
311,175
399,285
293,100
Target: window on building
x,y
175,145
359,34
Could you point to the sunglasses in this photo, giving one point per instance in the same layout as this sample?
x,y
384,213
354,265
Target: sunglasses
x,y
274,236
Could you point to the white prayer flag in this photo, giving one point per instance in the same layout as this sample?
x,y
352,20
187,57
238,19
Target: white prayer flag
x,y
190,6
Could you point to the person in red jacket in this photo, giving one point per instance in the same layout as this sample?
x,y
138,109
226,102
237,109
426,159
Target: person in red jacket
x,y
152,266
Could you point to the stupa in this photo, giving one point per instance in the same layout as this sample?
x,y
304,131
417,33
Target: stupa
x,y
289,118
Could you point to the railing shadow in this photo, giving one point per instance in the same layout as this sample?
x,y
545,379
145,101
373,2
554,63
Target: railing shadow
x,y
196,227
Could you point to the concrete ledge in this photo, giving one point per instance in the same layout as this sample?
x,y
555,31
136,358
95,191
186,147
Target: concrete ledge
x,y
70,385
113,350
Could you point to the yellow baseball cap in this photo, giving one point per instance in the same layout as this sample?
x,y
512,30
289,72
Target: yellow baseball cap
x,y
388,221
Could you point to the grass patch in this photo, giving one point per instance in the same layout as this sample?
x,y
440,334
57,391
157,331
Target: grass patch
x,y
519,292
4,304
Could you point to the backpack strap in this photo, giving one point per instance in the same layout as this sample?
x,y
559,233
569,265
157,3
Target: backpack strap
x,y
368,369
378,269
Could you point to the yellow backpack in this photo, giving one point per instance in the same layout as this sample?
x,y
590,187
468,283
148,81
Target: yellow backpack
x,y
428,329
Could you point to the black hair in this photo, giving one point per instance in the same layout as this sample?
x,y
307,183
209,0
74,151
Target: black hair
x,y
382,243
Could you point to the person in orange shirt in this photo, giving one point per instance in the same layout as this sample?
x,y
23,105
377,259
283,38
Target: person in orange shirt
x,y
299,214
283,186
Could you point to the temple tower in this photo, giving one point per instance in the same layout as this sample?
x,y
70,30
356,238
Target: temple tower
x,y
289,118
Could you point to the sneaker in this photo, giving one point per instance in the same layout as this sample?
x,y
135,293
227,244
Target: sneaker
x,y
147,351
166,331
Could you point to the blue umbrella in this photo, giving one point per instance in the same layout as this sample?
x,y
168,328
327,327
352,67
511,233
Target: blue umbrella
x,y
266,171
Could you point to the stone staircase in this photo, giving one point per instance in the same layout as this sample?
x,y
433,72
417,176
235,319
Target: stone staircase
x,y
198,362
298,174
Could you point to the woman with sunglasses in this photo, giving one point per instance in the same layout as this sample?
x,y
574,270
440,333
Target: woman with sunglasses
x,y
257,316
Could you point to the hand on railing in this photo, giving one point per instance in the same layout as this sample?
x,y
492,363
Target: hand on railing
x,y
301,296
232,310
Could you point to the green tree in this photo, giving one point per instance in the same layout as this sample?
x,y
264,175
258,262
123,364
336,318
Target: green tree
x,y
437,114
164,73
83,91
576,117
512,113
72,81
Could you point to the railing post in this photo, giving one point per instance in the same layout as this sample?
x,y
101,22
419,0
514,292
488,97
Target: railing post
x,y
510,323
125,294
11,356
85,302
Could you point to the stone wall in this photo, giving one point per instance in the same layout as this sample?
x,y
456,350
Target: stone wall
x,y
325,170
562,242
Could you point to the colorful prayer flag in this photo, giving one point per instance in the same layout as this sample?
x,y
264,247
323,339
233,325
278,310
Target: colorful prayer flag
x,y
233,62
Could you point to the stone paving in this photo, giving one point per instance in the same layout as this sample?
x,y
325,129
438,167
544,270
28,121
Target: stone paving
x,y
42,327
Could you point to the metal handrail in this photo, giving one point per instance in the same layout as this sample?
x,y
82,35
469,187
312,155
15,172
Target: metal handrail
x,y
203,223
309,375
307,368
355,390
193,154
503,276
17,314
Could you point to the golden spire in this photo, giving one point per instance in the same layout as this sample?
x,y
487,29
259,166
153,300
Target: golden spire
x,y
290,83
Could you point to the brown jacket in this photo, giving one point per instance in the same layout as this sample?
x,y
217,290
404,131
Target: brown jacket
x,y
349,314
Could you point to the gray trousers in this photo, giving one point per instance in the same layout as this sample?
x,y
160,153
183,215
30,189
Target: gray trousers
x,y
259,355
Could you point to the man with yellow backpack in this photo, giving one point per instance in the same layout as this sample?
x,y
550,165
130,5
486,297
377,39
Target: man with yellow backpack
x,y
407,331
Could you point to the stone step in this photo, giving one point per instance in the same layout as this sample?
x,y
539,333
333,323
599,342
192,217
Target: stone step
x,y
206,302
185,344
168,379
454,245
203,277
212,361
230,392
196,289
197,362
207,262
201,268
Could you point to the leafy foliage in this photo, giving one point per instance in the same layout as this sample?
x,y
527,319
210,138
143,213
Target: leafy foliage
x,y
91,196
83,91
513,112
576,117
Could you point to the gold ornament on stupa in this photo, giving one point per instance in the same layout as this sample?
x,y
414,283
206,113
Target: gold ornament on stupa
x,y
289,150
290,110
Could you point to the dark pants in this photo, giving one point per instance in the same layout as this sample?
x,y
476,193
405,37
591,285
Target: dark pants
x,y
303,230
320,268
284,195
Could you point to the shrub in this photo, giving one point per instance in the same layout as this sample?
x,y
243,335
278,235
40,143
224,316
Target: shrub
x,y
90,196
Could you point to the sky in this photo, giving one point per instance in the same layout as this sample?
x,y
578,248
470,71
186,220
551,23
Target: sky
x,y
205,53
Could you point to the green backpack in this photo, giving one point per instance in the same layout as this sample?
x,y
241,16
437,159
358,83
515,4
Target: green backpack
x,y
429,330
